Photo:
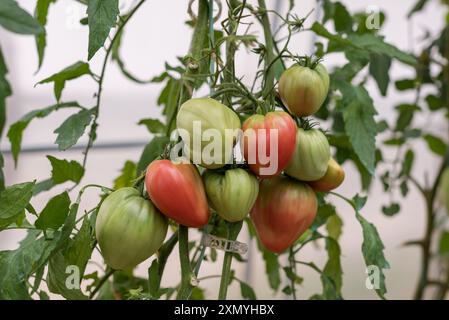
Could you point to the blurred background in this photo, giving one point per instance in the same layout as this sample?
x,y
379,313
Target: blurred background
x,y
158,34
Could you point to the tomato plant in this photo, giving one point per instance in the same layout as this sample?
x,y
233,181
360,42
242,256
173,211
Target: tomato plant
x,y
318,104
129,229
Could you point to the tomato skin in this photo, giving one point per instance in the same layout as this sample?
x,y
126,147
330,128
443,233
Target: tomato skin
x,y
178,192
286,127
231,194
211,114
331,180
303,90
284,210
129,228
311,157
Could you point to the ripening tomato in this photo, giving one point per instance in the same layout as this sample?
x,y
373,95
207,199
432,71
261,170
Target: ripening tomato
x,y
284,210
303,90
129,229
333,178
231,193
210,130
269,142
178,191
311,157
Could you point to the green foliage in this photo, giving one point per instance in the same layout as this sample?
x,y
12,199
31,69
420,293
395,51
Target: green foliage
x,y
63,170
15,19
54,213
59,79
73,128
40,14
102,15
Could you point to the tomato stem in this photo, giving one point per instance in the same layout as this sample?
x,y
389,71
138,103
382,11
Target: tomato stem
x,y
186,271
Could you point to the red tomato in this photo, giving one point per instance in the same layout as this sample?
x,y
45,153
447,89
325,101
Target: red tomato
x,y
285,141
284,210
178,192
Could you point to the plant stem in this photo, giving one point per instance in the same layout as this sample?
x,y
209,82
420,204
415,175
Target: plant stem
x,y
269,57
291,259
93,129
186,271
430,196
103,280
233,232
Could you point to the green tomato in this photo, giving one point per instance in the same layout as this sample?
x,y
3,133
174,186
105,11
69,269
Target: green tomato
x,y
303,90
231,194
129,229
311,157
209,129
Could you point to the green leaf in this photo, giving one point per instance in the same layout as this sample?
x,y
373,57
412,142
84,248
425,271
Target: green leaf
x,y
372,246
5,91
360,125
154,279
55,212
41,13
153,125
151,152
15,19
419,5
73,71
334,226
333,269
246,291
18,265
73,128
2,177
379,67
443,247
325,211
407,165
434,102
57,279
102,16
293,276
405,117
63,170
14,199
15,131
342,18
272,269
367,42
435,144
42,186
392,209
405,84
80,248
127,176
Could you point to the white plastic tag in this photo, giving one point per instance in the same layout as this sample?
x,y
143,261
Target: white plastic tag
x,y
224,244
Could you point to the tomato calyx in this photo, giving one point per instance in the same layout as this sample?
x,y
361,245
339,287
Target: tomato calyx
x,y
310,62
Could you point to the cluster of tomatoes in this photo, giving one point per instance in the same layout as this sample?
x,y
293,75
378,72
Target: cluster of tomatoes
x,y
282,204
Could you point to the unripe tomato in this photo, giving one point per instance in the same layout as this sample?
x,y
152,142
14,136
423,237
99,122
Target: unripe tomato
x,y
178,191
284,210
205,123
303,90
443,189
268,154
129,229
231,193
333,178
311,157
